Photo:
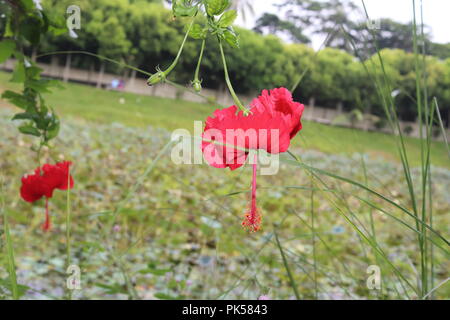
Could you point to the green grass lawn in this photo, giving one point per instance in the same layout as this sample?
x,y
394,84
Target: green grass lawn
x,y
104,107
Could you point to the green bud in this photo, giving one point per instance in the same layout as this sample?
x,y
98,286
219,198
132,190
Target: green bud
x,y
197,85
156,78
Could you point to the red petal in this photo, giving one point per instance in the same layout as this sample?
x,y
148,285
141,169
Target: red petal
x,y
57,177
32,188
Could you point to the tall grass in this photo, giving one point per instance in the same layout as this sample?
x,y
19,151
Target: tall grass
x,y
11,264
420,200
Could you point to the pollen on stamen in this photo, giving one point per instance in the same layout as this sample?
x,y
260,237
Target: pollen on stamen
x,y
252,221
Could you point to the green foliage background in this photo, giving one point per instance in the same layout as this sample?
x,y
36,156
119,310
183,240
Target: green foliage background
x,y
145,34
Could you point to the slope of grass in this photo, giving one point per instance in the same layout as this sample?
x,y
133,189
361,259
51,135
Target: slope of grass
x,y
140,111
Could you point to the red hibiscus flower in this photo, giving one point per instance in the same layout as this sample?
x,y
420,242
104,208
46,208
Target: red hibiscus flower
x,y
273,120
43,182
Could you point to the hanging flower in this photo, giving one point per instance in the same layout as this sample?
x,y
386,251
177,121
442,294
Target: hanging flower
x,y
43,182
273,120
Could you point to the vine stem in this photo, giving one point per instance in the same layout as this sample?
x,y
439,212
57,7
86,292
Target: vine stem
x,y
227,80
177,58
68,229
200,58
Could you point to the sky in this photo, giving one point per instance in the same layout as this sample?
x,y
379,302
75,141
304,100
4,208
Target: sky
x,y
436,14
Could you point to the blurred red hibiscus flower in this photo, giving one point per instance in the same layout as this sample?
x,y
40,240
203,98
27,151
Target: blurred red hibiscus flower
x,y
272,121
43,182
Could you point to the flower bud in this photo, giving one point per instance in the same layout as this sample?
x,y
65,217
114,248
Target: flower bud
x,y
197,85
156,78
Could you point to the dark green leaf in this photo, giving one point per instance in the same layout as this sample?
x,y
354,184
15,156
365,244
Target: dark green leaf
x,y
17,99
53,128
24,116
7,48
30,29
29,130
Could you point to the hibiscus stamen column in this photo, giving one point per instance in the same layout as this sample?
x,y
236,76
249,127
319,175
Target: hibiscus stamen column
x,y
47,225
253,217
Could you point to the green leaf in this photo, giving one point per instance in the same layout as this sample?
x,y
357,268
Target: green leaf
x,y
112,289
19,73
17,99
7,48
216,7
156,272
56,22
197,32
41,86
53,128
34,72
231,38
228,18
30,29
164,296
27,4
29,130
182,9
24,116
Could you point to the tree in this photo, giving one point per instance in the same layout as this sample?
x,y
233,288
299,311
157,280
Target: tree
x,y
103,30
396,35
440,50
327,18
272,24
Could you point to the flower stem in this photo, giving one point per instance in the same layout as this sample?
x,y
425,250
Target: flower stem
x,y
227,79
68,225
38,154
200,58
175,62
160,76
